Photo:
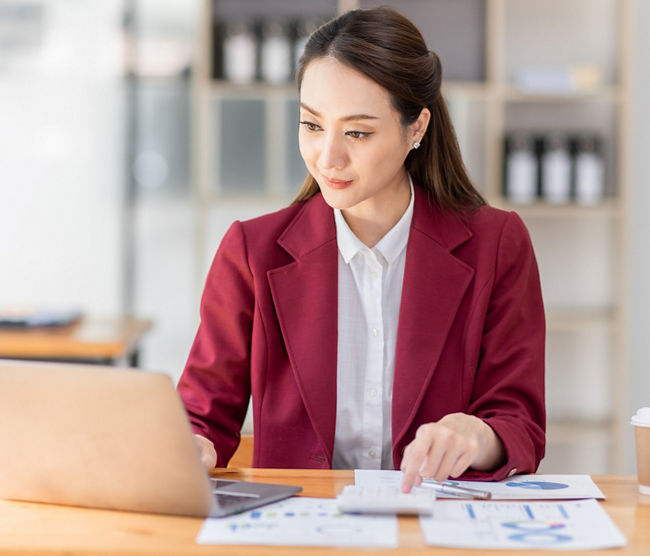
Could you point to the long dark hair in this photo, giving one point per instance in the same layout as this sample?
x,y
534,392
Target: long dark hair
x,y
385,46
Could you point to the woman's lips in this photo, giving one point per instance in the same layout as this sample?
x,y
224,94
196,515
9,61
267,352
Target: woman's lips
x,y
336,184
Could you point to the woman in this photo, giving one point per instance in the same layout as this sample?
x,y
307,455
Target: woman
x,y
388,318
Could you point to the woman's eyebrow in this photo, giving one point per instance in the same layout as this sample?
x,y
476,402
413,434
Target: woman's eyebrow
x,y
344,118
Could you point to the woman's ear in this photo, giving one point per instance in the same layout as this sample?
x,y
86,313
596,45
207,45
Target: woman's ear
x,y
419,127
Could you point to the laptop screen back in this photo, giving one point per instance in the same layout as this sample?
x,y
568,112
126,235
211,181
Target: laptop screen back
x,y
96,436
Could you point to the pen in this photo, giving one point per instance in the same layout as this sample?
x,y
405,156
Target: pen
x,y
454,490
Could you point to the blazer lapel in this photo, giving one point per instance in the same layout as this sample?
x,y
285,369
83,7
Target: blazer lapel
x,y
305,296
434,284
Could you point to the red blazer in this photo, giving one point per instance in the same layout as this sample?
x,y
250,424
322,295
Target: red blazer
x,y
470,337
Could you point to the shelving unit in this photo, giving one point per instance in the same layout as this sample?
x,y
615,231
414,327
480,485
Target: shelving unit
x,y
482,43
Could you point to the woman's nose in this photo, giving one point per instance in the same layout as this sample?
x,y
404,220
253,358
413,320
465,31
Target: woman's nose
x,y
333,153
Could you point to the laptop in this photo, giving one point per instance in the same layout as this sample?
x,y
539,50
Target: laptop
x,y
106,437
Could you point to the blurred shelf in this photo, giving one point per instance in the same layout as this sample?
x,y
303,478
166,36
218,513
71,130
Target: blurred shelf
x,y
539,209
606,94
473,89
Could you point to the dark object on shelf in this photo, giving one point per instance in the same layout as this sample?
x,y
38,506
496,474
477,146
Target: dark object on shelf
x,y
39,319
240,54
556,169
276,59
553,167
588,169
520,170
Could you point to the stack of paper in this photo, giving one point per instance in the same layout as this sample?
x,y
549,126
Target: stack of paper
x,y
527,511
561,512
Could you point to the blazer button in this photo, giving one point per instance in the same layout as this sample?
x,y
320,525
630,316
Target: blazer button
x,y
512,472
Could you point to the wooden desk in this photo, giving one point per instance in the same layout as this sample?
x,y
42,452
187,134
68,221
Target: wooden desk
x,y
94,340
41,529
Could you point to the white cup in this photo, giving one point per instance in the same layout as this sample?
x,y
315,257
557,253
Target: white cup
x,y
641,422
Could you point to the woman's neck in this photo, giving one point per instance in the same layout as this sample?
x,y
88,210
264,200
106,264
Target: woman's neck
x,y
373,219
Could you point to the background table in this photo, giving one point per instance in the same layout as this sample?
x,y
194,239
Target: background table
x,y
27,528
90,340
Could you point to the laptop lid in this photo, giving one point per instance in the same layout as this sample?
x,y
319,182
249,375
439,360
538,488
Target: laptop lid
x,y
101,437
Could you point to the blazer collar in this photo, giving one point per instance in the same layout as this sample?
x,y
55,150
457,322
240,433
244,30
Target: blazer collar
x,y
304,294
445,228
311,228
435,282
314,225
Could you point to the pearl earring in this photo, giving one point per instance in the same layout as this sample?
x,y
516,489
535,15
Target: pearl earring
x,y
416,144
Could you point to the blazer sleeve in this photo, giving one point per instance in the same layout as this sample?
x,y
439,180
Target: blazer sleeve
x,y
215,384
508,389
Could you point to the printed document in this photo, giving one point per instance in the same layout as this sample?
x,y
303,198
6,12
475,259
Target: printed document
x,y
517,487
556,525
301,521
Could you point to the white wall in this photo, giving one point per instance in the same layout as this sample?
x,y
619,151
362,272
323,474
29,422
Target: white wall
x,y
61,137
165,281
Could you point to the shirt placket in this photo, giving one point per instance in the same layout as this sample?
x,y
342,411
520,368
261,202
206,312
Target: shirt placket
x,y
372,296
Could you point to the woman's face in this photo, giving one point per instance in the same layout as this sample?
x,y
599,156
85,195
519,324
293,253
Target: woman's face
x,y
351,138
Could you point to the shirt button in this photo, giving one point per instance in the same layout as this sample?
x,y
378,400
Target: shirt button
x,y
375,332
372,392
372,453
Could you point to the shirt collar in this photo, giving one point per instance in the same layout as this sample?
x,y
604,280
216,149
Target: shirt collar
x,y
349,244
389,246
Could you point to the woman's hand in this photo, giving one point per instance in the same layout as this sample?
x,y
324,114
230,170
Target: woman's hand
x,y
448,447
207,452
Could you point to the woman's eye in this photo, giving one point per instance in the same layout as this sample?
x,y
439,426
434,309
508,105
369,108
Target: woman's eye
x,y
310,125
358,134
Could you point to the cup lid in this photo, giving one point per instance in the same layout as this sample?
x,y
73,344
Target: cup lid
x,y
642,417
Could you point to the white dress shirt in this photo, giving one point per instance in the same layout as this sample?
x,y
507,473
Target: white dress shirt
x,y
369,295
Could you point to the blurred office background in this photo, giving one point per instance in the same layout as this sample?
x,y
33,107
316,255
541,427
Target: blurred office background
x,y
132,132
